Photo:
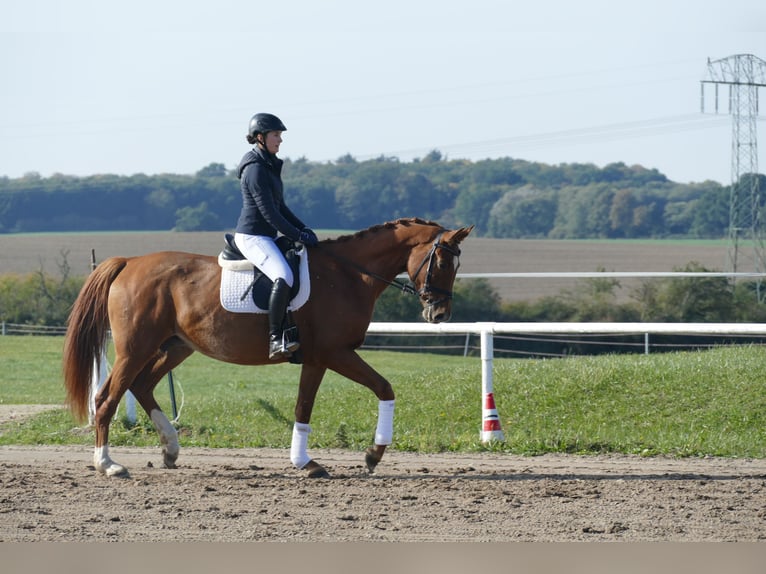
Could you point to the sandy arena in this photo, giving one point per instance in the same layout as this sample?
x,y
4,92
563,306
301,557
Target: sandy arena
x,y
53,494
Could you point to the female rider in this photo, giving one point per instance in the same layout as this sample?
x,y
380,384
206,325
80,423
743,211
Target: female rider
x,y
263,216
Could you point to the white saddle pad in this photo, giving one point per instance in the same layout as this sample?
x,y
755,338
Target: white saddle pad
x,y
237,276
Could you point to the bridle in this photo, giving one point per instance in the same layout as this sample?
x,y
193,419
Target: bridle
x,y
428,263
429,258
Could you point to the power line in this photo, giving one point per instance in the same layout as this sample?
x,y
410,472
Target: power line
x,y
743,74
585,135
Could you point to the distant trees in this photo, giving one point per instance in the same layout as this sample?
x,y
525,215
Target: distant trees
x,y
501,197
39,298
673,300
522,212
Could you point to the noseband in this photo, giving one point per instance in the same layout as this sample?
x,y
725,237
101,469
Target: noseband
x,y
427,288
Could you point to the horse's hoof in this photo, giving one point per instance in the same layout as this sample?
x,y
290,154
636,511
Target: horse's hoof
x,y
316,470
116,470
371,459
108,467
319,473
169,460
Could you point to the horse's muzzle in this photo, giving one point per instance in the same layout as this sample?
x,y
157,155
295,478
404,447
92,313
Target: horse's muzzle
x,y
437,314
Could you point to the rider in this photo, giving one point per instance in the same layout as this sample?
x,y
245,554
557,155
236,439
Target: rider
x,y
263,216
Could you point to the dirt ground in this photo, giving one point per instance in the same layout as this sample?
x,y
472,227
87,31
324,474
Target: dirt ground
x,y
52,493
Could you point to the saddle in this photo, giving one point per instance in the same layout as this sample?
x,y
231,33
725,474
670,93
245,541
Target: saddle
x,y
245,289
259,289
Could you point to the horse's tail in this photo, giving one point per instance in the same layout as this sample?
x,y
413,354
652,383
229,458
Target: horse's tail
x,y
87,330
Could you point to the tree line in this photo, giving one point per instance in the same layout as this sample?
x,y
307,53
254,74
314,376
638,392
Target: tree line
x,y
504,198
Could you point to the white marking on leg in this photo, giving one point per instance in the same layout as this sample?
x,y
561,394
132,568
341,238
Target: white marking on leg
x,y
384,434
168,437
104,464
298,454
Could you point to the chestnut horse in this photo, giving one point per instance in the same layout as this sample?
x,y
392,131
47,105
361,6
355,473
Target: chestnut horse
x,y
164,306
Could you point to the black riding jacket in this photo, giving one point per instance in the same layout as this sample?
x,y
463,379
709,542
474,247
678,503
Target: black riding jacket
x,y
263,206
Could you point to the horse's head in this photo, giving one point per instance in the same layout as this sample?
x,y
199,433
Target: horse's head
x,y
432,268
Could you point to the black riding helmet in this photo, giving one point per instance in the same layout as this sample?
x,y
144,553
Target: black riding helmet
x,y
263,123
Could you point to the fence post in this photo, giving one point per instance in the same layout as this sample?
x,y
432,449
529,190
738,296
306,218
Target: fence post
x,y
491,429
467,344
98,377
130,407
172,388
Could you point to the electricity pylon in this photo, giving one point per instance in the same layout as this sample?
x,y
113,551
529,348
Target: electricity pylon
x,y
743,74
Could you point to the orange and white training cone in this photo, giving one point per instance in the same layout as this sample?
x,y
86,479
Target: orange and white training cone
x,y
490,429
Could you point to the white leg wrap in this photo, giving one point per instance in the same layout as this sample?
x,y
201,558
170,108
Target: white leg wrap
x,y
384,434
104,464
298,455
168,433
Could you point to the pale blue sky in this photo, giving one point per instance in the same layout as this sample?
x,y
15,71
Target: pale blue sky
x,y
168,86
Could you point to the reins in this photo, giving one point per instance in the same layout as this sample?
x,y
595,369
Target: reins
x,y
405,287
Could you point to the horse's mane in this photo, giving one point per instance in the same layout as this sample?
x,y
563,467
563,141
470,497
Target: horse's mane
x,y
388,225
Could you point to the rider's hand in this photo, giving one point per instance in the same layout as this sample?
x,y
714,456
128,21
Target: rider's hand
x,y
308,237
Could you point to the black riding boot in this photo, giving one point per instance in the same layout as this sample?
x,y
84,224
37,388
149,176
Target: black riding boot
x,y
279,346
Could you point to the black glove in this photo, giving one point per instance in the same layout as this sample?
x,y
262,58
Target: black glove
x,y
308,237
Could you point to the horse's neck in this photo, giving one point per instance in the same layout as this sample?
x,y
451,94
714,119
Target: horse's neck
x,y
388,255
384,252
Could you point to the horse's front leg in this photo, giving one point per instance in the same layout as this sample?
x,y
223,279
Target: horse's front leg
x,y
311,377
355,368
384,434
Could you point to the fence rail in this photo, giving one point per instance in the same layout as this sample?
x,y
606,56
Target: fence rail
x,y
569,328
22,329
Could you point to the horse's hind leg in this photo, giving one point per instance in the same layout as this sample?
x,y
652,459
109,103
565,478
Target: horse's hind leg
x,y
171,354
107,400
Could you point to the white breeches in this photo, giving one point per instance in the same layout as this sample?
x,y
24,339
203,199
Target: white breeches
x,y
263,252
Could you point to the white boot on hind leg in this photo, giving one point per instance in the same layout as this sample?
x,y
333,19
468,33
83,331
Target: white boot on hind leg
x,y
105,465
168,438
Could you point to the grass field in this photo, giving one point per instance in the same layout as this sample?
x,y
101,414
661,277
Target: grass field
x,y
680,404
24,253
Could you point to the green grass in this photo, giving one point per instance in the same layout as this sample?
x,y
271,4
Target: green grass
x,y
680,404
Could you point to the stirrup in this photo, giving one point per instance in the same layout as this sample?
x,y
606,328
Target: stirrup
x,y
277,350
281,348
290,339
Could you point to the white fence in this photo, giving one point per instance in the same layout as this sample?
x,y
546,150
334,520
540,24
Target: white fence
x,y
490,427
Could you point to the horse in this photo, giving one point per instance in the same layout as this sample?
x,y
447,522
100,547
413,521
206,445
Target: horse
x,y
164,306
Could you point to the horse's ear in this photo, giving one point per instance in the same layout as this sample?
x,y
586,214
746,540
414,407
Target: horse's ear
x,y
461,234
